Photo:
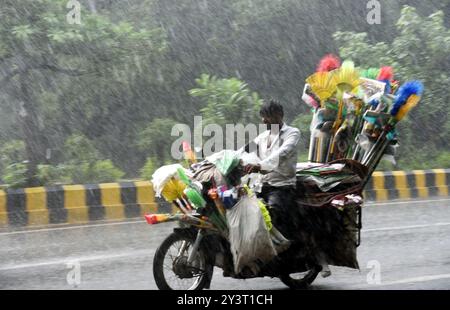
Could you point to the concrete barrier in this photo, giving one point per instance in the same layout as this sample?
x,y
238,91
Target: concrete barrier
x,y
384,186
77,204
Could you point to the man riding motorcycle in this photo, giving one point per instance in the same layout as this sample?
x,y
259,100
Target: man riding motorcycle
x,y
278,150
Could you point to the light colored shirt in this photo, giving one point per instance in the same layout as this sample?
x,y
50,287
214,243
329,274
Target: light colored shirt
x,y
279,159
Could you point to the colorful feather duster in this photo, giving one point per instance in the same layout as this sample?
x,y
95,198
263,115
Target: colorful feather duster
x,y
347,77
329,63
386,74
322,85
371,73
405,91
412,101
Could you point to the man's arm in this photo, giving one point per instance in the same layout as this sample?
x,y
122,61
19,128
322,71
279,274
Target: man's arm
x,y
289,145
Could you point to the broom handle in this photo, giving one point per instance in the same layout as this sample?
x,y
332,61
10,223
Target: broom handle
x,y
356,153
336,126
329,149
376,160
355,132
312,144
373,148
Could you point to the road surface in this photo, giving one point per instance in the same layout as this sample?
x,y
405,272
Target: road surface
x,y
407,242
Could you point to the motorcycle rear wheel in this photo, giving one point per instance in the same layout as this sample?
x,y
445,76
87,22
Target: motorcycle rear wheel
x,y
170,268
302,282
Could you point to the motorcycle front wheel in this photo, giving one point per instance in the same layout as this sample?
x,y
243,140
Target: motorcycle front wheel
x,y
171,269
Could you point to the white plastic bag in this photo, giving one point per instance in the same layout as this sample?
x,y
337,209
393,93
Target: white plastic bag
x,y
249,158
250,242
162,176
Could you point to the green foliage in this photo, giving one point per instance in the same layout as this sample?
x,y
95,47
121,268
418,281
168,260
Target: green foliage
x,y
12,152
128,67
303,157
15,175
148,169
355,46
228,101
79,149
50,34
65,75
23,32
422,160
442,160
104,171
84,164
96,172
156,140
303,123
52,175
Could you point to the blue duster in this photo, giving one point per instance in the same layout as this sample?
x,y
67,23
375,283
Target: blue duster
x,y
405,91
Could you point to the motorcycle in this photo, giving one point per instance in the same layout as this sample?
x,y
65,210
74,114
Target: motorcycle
x,y
328,228
351,132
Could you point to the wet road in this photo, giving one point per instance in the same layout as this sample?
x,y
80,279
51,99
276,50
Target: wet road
x,y
407,242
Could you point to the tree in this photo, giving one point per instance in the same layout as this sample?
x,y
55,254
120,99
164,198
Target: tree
x,y
38,43
84,163
79,149
303,123
109,80
12,152
148,169
155,140
228,101
12,163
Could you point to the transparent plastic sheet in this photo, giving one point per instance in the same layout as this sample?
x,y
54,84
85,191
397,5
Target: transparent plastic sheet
x,y
364,142
250,241
225,161
391,152
249,158
328,183
309,193
206,172
371,89
253,180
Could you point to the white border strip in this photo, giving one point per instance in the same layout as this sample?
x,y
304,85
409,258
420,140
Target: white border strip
x,y
60,261
405,227
71,227
405,202
407,281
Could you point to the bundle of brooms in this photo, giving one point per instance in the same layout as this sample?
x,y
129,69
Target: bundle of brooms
x,y
355,111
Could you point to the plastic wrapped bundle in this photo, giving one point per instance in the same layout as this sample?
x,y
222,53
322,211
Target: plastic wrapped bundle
x,y
250,241
164,175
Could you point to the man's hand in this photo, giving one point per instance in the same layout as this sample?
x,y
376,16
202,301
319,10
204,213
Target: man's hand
x,y
252,169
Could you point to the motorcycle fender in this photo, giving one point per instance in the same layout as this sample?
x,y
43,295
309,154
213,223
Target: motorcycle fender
x,y
188,232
